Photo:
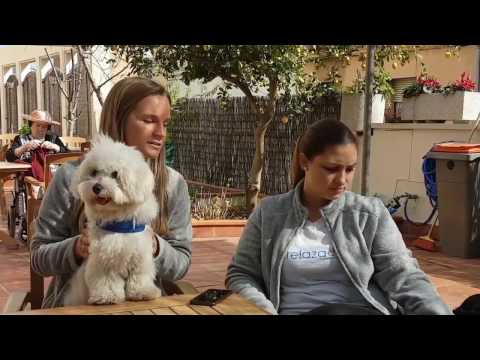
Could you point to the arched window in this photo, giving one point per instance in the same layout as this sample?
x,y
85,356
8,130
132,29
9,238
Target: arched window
x,y
52,95
29,88
11,104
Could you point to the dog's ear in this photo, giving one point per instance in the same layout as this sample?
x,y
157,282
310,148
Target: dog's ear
x,y
138,188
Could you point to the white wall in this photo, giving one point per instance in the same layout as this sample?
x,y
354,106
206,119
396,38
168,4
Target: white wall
x,y
19,56
396,160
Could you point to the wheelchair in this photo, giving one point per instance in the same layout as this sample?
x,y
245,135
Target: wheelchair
x,y
17,213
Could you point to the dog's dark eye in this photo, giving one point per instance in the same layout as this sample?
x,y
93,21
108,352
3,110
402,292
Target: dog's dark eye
x,y
114,174
94,172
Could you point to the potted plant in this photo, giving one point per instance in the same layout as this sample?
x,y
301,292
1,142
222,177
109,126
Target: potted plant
x,y
25,130
427,100
353,100
417,107
216,211
462,102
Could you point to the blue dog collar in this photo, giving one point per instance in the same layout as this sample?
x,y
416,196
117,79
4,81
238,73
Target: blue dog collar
x,y
123,227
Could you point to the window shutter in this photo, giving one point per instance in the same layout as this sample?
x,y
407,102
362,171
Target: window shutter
x,y
399,85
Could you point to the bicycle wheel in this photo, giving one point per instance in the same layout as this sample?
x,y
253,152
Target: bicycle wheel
x,y
12,218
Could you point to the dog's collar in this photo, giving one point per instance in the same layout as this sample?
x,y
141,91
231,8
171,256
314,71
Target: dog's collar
x,y
128,226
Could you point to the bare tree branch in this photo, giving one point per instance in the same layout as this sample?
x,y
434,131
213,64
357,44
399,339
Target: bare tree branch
x,y
76,92
96,89
59,83
74,87
99,65
114,76
74,115
97,62
72,96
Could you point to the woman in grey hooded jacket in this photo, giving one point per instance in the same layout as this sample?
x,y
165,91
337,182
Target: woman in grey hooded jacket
x,y
322,249
136,112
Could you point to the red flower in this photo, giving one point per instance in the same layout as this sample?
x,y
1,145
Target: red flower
x,y
464,84
430,83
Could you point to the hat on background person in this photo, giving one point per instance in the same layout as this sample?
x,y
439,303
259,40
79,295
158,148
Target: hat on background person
x,y
41,116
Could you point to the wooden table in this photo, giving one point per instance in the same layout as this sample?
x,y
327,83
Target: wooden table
x,y
7,169
166,305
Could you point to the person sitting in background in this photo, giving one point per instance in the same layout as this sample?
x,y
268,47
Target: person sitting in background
x,y
40,123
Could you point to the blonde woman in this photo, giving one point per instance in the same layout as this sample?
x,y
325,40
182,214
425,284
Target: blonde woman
x,y
136,112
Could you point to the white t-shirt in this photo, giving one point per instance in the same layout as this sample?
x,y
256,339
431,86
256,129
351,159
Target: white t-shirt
x,y
312,275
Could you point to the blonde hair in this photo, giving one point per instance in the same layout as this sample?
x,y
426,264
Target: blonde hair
x,y
316,139
120,102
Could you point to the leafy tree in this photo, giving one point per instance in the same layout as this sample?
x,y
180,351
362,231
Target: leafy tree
x,y
280,69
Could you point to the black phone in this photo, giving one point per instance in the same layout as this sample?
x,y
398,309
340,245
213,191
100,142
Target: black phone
x,y
211,297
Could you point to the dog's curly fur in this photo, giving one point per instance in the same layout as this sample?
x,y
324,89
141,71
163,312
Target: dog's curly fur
x,y
120,266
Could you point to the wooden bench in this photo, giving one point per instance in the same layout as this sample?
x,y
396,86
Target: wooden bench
x,y
7,139
73,143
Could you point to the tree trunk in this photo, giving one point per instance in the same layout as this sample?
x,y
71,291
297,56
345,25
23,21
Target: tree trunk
x,y
264,116
255,177
70,123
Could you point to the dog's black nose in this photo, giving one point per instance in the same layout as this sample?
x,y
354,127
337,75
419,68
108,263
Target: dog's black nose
x,y
97,188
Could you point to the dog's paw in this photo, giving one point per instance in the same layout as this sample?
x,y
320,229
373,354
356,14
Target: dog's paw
x,y
105,299
145,293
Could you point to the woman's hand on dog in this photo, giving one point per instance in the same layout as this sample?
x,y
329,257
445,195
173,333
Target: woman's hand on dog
x,y
155,242
82,245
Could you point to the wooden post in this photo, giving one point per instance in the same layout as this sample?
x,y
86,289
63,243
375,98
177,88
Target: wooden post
x,y
367,124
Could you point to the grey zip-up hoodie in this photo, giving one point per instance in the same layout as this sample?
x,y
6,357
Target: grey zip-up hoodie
x,y
57,229
367,242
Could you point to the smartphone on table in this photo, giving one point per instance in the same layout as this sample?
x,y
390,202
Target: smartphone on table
x,y
211,297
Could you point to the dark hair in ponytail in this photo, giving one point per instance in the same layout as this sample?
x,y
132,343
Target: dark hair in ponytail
x,y
316,139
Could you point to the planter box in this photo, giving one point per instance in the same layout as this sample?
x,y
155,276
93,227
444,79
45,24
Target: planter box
x,y
215,228
460,106
352,110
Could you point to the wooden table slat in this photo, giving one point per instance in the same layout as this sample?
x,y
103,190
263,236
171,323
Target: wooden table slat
x,y
183,310
165,301
176,304
121,313
235,305
142,312
163,311
204,310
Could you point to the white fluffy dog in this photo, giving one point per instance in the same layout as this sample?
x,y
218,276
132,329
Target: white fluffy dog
x,y
116,185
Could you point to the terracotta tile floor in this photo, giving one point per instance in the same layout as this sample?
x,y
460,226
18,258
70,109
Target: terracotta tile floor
x,y
455,278
209,262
